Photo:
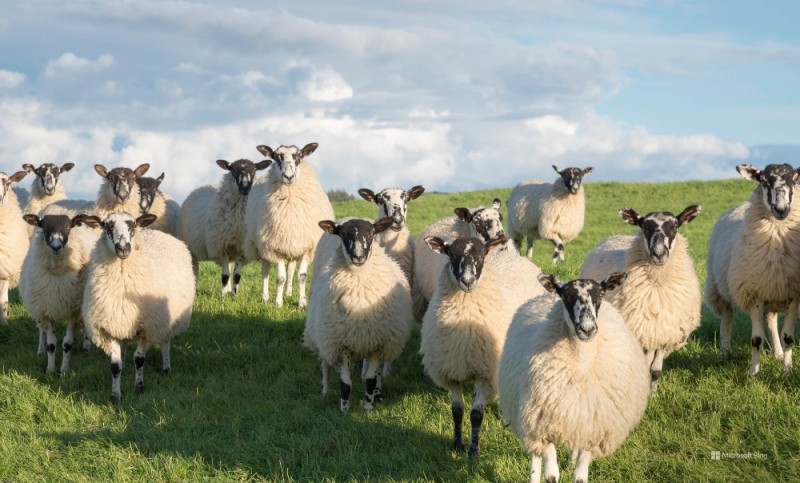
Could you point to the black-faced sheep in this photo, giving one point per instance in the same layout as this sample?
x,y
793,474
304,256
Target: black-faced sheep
x,y
152,200
45,188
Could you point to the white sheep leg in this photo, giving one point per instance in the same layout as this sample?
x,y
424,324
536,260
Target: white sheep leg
x,y
387,369
773,333
345,386
66,345
581,474
138,362
788,335
558,249
529,252
116,369
655,370
280,282
4,301
726,329
49,328
482,390
373,368
757,339
42,343
302,274
326,377
237,274
536,469
226,276
292,265
265,267
573,457
457,407
87,340
166,362
550,463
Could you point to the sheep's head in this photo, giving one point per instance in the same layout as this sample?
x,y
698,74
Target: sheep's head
x,y
357,236
487,222
466,257
121,180
777,186
659,229
287,159
6,181
573,177
47,174
55,229
581,300
119,229
392,202
148,187
243,172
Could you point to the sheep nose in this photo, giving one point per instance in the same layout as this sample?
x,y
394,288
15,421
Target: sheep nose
x,y
56,246
244,188
586,331
780,212
468,282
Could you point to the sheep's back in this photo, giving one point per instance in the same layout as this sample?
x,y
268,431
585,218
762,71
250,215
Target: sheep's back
x,y
168,212
399,245
519,277
607,257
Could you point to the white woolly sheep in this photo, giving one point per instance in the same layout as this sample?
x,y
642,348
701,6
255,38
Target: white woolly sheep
x,y
549,211
53,278
22,196
13,239
282,217
660,300
212,219
45,188
152,200
484,222
572,373
464,329
139,287
754,261
360,305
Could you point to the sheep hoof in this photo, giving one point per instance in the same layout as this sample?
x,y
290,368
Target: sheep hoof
x,y
753,369
51,371
778,355
139,389
458,445
116,398
474,452
787,368
378,395
165,370
551,479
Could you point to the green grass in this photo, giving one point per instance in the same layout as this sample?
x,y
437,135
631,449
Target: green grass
x,y
243,400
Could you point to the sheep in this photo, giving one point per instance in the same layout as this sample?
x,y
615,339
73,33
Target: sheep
x,y
139,287
484,222
13,239
661,299
571,372
212,219
22,196
360,305
282,216
464,328
152,200
754,261
53,278
550,211
45,188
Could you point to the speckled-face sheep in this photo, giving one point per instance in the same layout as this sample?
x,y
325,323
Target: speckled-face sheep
x,y
13,239
660,300
45,188
212,220
464,329
282,217
360,305
139,287
486,223
754,261
53,278
549,211
152,200
571,373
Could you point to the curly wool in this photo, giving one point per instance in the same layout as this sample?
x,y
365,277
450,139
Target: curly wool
x,y
14,240
400,246
538,209
659,303
147,296
555,388
224,225
520,276
70,208
168,212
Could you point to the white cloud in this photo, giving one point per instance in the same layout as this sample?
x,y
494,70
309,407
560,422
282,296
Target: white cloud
x,y
326,85
70,64
10,80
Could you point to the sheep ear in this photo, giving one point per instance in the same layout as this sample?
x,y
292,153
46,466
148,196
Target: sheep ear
x,y
141,170
160,178
224,164
92,221
463,214
265,150
368,195
329,227
14,178
613,281
555,168
66,167
308,149
437,244
29,168
496,242
496,203
77,220
101,170
263,164
414,193
688,214
630,216
549,282
145,220
748,171
32,220
383,224
587,170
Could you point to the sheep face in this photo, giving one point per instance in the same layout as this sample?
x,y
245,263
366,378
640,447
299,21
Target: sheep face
x,y
55,230
659,229
777,186
47,175
356,236
287,159
467,256
243,172
488,222
148,187
393,203
121,180
581,301
119,229
6,181
573,177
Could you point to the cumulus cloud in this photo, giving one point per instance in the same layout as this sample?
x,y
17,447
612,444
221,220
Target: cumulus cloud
x,y
325,85
70,64
9,79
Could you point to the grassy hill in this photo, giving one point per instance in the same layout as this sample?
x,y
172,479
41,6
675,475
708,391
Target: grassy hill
x,y
243,400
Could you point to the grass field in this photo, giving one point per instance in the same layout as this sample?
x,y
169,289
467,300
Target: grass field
x,y
243,400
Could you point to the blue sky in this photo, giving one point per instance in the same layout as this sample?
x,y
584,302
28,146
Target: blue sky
x,y
455,95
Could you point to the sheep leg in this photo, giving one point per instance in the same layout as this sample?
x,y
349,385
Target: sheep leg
x,y
87,341
387,369
788,336
536,469
4,301
115,350
757,321
725,328
573,457
138,362
166,363
66,345
550,463
326,377
265,266
237,274
482,390
529,252
558,249
226,275
581,474
196,269
774,337
457,407
290,277
42,343
280,282
345,386
655,371
49,328
373,370
302,274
